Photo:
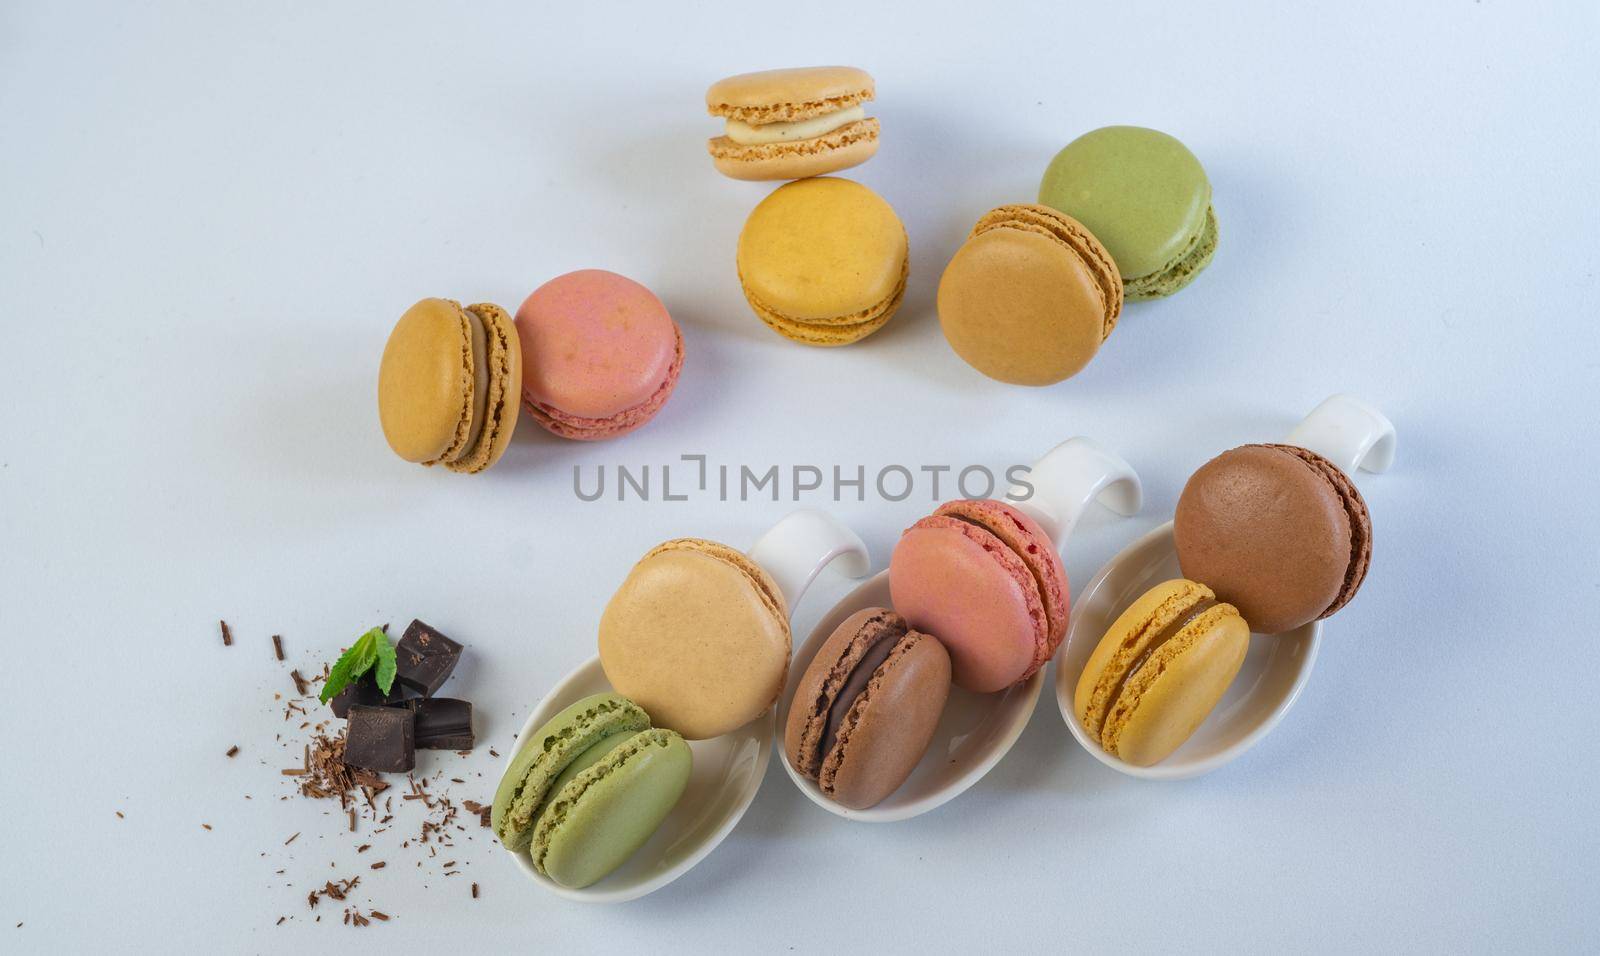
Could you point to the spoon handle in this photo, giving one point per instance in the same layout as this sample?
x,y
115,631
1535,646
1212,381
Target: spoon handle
x,y
796,549
1348,432
1068,478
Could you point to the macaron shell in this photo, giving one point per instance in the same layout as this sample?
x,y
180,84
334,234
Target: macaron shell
x,y
1182,272
504,360
1270,533
596,345
578,428
833,333
827,673
1163,703
544,754
1140,191
1023,307
698,635
847,146
1355,508
1126,642
1029,542
425,382
823,251
965,587
789,95
888,728
607,812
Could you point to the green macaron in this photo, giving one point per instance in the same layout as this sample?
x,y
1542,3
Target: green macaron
x,y
1145,197
588,788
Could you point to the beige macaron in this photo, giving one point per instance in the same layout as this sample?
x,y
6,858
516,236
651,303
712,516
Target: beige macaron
x,y
790,124
1159,670
448,384
698,635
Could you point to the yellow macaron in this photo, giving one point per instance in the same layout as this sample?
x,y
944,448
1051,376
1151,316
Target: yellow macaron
x,y
698,635
1159,670
449,383
789,124
824,261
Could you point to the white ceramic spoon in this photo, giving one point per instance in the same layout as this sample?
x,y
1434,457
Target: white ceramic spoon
x,y
728,769
975,730
1345,430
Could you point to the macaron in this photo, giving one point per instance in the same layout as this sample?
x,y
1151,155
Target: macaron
x,y
600,354
697,635
447,384
588,788
1159,670
866,707
823,261
1147,198
985,580
790,124
1277,531
1029,297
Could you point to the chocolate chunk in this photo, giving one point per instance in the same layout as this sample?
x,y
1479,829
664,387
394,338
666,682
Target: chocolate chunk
x,y
381,739
442,723
365,692
425,658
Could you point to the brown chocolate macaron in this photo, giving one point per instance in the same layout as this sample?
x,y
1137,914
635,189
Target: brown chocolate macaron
x,y
1277,531
866,707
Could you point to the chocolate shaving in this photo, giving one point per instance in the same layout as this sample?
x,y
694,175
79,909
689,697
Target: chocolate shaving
x,y
301,685
292,838
379,865
234,750
277,646
474,891
227,635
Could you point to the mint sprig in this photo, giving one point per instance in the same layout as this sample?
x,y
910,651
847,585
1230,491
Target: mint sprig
x,y
369,650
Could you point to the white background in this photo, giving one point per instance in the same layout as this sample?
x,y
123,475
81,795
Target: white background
x,y
211,214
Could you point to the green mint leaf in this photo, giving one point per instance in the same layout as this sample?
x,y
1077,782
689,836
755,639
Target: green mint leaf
x,y
338,678
355,661
386,663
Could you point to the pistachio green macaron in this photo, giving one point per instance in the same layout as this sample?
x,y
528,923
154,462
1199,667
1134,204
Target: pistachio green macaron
x,y
588,788
1145,197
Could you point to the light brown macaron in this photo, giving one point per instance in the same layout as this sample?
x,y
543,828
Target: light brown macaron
x,y
866,707
698,635
1159,670
1278,530
449,384
790,124
1029,297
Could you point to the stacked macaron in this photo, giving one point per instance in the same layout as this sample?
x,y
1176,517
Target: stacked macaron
x,y
821,261
591,354
1123,212
1270,538
980,602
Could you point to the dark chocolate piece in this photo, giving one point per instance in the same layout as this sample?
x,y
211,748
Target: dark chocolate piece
x,y
442,723
365,692
425,658
380,738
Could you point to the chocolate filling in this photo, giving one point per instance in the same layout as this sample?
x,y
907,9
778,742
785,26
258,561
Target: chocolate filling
x,y
1184,619
854,685
480,381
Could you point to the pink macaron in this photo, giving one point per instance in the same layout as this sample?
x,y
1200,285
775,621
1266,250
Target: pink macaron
x,y
600,354
985,580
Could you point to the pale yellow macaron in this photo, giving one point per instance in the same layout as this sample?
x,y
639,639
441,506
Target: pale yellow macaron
x,y
1159,670
449,384
823,261
790,124
698,635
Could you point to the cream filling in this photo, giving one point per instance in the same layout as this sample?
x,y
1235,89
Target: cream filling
x,y
746,135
